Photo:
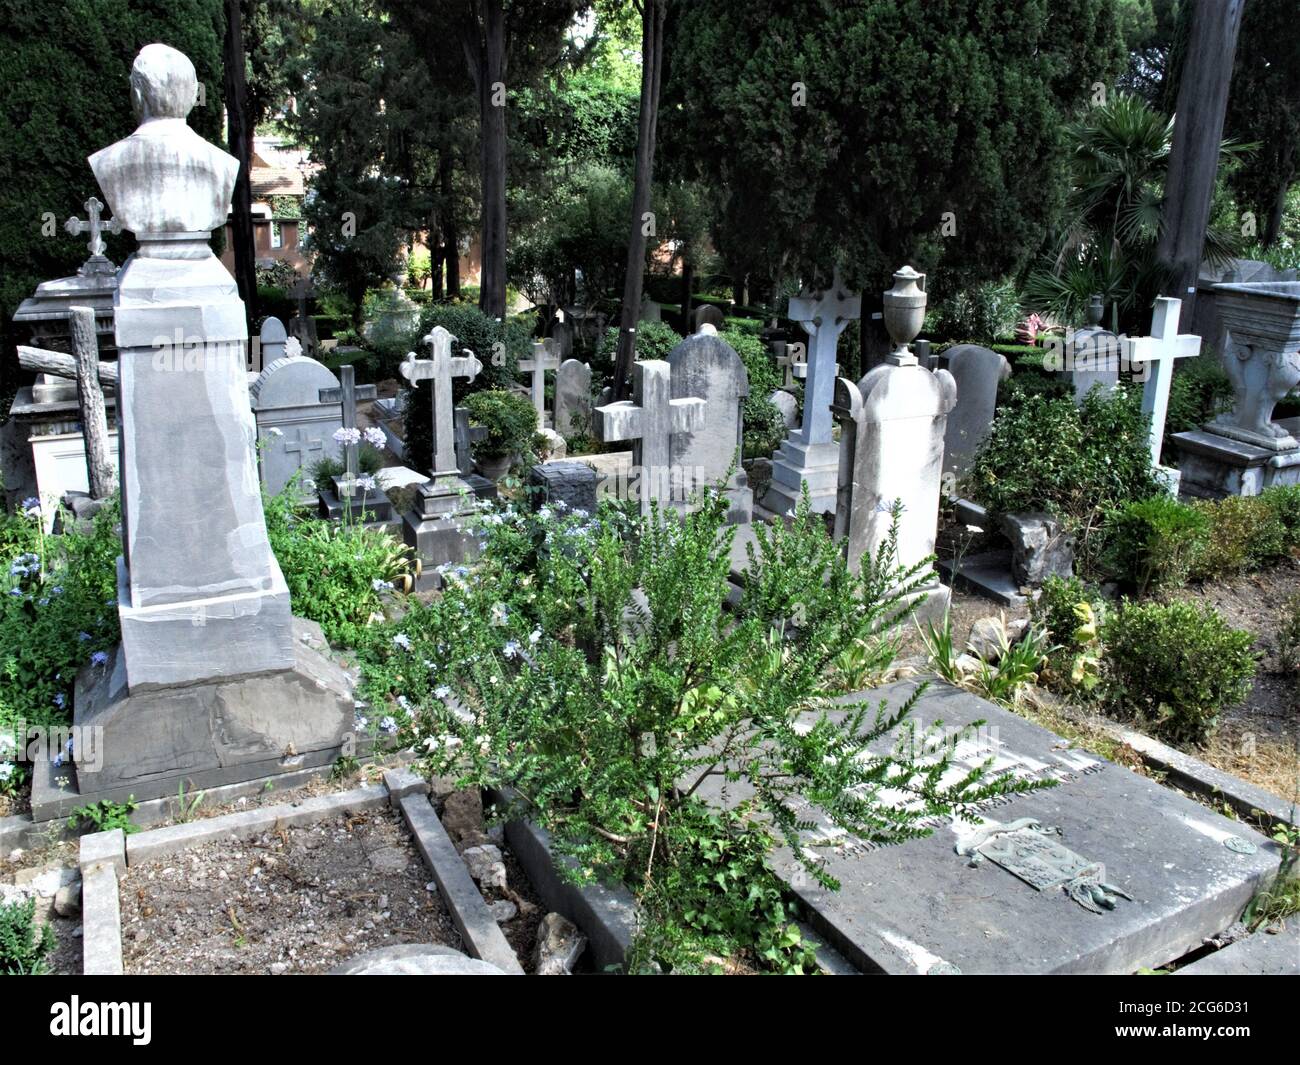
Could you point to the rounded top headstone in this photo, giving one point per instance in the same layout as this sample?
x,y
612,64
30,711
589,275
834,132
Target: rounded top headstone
x,y
294,381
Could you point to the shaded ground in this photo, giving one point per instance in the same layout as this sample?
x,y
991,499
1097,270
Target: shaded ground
x,y
298,900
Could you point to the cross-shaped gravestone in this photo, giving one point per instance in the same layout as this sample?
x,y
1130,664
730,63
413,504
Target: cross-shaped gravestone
x,y
791,356
1160,351
544,358
466,437
650,419
439,372
824,316
95,226
347,394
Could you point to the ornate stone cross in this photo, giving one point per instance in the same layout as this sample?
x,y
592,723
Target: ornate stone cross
x,y
544,358
347,395
824,315
650,419
439,371
1160,351
94,227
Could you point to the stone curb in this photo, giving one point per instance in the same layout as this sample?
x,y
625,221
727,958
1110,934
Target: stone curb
x,y
101,920
1248,800
159,842
606,915
103,848
469,912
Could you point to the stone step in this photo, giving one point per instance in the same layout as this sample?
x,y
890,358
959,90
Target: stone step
x,y
1260,954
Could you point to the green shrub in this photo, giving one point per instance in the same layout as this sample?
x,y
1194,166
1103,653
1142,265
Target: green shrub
x,y
510,420
764,428
23,950
1055,607
1198,392
1070,461
987,312
654,340
1245,532
1284,500
1176,666
370,460
1155,542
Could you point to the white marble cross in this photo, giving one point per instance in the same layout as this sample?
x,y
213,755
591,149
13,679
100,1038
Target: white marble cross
x,y
94,227
650,418
544,358
824,316
439,371
1160,351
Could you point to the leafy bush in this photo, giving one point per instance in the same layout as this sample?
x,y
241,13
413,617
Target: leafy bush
x,y
1245,533
510,420
23,951
1284,500
983,314
1070,461
338,574
1055,607
1177,666
589,663
59,613
1155,542
370,460
1198,392
654,340
764,428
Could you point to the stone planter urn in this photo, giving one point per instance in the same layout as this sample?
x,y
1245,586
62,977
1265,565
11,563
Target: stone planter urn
x,y
495,467
904,313
1262,358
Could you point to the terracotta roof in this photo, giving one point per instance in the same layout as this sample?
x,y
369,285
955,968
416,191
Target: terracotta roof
x,y
270,181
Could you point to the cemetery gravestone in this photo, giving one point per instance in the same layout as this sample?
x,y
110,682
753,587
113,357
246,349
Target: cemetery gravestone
x,y
295,429
1186,870
706,314
977,372
270,345
650,419
466,436
1092,354
573,398
211,682
706,367
787,405
809,455
1159,352
572,484
354,495
543,359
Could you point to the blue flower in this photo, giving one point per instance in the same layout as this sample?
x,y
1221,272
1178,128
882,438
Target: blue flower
x,y
388,724
60,700
99,658
511,649
403,641
84,637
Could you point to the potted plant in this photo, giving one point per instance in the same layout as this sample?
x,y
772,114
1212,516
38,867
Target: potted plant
x,y
511,424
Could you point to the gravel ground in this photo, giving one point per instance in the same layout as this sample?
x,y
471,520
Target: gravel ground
x,y
300,900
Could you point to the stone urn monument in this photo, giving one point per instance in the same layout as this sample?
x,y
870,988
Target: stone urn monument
x,y
1244,451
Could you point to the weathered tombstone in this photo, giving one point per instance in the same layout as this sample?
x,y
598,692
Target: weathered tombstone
x,y
396,318
707,314
213,681
302,325
543,359
466,436
571,484
892,433
295,428
1245,450
561,332
1028,886
1159,352
1092,354
100,473
809,455
788,406
977,372
650,419
270,345
352,496
435,526
573,398
706,367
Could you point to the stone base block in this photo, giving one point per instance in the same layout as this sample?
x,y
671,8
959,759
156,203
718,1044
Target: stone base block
x,y
196,640
987,574
797,463
373,508
571,483
238,727
1214,466
437,525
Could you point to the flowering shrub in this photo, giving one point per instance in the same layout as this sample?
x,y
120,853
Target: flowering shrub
x,y
588,663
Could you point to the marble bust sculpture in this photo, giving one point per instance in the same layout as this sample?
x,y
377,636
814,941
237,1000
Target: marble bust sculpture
x,y
164,178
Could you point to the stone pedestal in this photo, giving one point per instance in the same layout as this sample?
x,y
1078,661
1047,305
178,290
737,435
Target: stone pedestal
x,y
1214,466
371,507
570,483
435,524
796,463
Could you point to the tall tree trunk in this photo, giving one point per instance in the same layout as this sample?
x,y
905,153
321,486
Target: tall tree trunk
x,y
492,121
435,250
652,54
688,283
1194,157
239,136
1274,224
450,235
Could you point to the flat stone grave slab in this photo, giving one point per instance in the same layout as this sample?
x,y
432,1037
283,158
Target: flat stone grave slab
x,y
920,907
988,574
1259,954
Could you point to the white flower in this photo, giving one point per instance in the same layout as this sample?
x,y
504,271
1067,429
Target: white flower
x,y
375,438
275,430
366,483
534,636
378,586
347,437
442,691
403,641
292,347
388,724
6,770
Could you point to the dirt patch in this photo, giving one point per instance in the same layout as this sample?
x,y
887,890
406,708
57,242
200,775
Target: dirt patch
x,y
299,900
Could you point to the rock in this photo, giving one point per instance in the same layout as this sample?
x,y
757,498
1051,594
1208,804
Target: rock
x,y
968,663
556,447
1040,548
279,968
68,900
485,865
415,959
503,910
1016,629
987,638
462,814
559,946
389,860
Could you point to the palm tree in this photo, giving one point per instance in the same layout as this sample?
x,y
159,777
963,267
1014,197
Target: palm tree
x,y
1107,241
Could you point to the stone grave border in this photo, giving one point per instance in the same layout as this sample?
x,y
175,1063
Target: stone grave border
x,y
20,830
105,855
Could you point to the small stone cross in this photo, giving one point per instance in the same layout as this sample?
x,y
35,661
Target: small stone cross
x,y
650,418
824,316
94,227
1161,350
544,358
347,395
439,371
